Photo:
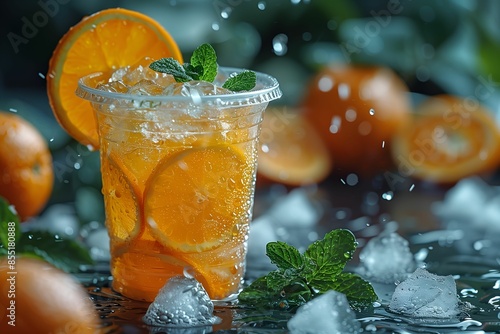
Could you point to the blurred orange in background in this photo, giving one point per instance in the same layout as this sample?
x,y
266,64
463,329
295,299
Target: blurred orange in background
x,y
26,171
449,138
290,151
356,111
45,300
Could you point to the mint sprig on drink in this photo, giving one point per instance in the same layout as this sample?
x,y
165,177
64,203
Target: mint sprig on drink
x,y
203,66
301,277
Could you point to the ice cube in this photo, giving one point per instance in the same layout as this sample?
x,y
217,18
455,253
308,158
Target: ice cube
x,y
114,87
464,201
181,302
145,87
295,210
98,243
261,233
426,295
387,258
328,313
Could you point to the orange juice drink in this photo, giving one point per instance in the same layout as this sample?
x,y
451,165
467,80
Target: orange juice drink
x,y
178,166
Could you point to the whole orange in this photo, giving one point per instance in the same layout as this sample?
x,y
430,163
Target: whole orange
x,y
39,298
356,111
26,172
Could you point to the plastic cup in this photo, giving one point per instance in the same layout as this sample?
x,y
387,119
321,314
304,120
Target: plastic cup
x,y
178,176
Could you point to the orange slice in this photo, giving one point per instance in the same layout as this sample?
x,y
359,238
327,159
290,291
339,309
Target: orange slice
x,y
290,151
195,199
450,138
122,199
104,41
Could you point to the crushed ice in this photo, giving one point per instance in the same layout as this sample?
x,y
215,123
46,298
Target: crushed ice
x,y
181,302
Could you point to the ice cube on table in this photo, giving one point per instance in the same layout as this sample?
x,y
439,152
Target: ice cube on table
x,y
465,200
387,258
328,313
181,302
426,295
295,210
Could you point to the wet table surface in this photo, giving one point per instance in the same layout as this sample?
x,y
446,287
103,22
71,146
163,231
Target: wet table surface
x,y
365,209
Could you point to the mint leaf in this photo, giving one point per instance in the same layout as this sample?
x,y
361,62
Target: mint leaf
x,y
172,67
203,66
10,229
330,255
358,291
245,80
205,57
284,256
192,71
301,277
66,254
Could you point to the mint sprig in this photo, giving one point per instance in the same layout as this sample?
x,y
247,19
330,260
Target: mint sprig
x,y
301,277
203,66
66,254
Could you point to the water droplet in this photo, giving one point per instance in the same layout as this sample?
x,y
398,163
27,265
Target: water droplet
x,y
226,12
372,111
365,128
352,179
280,47
412,186
12,109
41,75
261,5
215,26
264,148
344,91
335,124
325,84
351,115
77,165
383,143
388,195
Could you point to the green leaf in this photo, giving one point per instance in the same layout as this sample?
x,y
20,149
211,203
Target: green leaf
x,y
204,56
193,72
359,292
172,67
10,229
284,256
256,293
329,255
66,254
245,80
299,278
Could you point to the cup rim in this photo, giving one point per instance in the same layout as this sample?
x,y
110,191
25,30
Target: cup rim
x,y
266,90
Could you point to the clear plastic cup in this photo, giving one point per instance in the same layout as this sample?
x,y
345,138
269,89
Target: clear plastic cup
x,y
178,177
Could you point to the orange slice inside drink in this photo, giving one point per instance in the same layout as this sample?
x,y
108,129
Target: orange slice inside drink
x,y
194,200
122,200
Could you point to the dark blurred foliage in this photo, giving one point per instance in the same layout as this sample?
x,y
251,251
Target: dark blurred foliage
x,y
435,46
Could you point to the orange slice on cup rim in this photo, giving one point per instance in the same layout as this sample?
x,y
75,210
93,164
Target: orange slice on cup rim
x,y
194,200
450,138
102,42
